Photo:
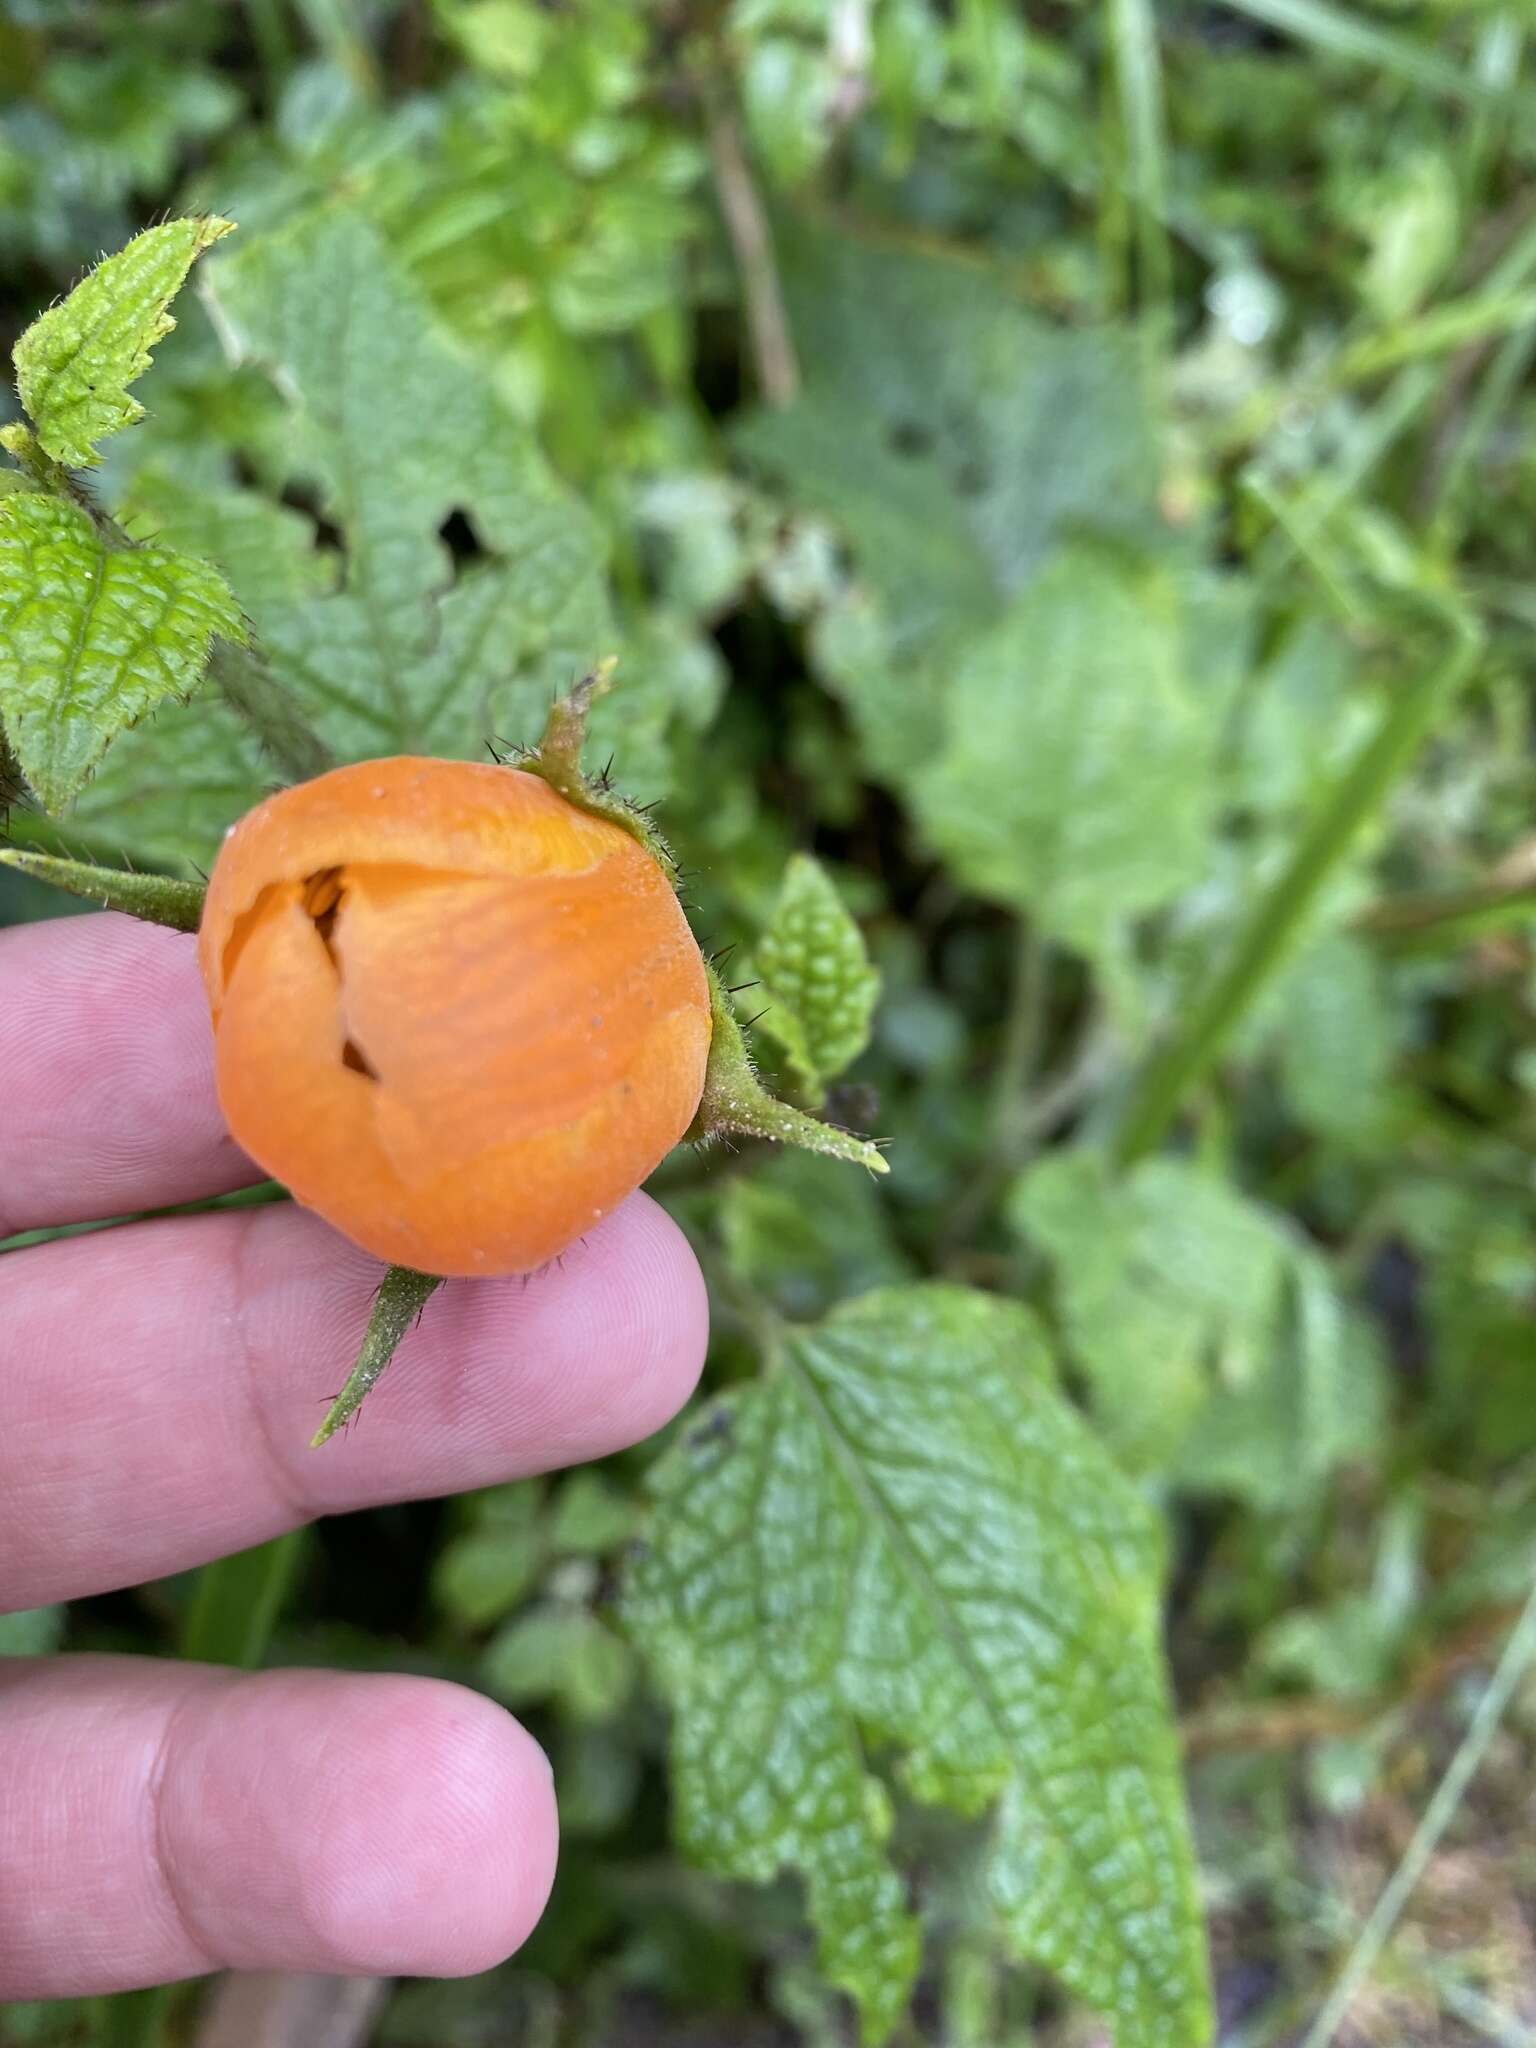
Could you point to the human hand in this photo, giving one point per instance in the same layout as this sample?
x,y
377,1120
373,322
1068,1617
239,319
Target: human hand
x,y
160,1384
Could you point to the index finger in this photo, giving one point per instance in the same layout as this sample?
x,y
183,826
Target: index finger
x,y
107,1102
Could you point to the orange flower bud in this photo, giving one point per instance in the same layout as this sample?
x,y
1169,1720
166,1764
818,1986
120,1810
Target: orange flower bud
x,y
455,1014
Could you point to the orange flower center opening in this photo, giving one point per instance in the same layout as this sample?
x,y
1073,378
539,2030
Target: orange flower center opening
x,y
321,896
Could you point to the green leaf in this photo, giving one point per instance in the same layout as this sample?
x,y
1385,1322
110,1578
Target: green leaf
x,y
412,653
805,1234
169,789
1335,1033
1215,1346
75,363
1077,782
903,1536
1159,1277
951,432
816,976
590,1515
482,1573
93,636
266,550
561,1653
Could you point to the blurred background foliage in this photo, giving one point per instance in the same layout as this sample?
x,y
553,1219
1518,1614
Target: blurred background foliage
x,y
1021,456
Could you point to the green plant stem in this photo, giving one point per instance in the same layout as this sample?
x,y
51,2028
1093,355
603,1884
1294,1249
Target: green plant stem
x,y
1517,1658
253,1197
158,899
1448,917
236,1602
269,34
1012,1125
1340,32
251,690
1139,93
403,1294
1264,943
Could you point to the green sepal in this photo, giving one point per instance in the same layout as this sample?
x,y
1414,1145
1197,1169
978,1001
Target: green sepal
x,y
734,1099
403,1294
557,760
158,899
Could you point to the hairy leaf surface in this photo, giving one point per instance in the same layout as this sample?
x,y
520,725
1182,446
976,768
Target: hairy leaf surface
x,y
904,1537
93,636
74,364
469,583
817,981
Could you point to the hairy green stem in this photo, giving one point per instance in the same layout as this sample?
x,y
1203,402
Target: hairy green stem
x,y
403,1294
735,1100
1265,941
158,899
271,711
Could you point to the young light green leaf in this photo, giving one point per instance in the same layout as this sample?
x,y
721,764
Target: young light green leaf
x,y
562,1653
903,1535
93,636
1077,780
75,363
411,653
817,979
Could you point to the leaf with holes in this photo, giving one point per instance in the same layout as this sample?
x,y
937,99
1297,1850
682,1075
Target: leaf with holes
x,y
817,979
93,636
470,583
903,1537
75,363
956,440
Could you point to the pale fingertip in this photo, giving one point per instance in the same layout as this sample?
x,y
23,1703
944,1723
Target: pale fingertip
x,y
451,1875
369,1825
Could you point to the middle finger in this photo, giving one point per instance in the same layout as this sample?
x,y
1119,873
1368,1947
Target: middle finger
x,y
162,1382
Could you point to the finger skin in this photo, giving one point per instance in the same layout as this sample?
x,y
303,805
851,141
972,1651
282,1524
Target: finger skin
x,y
107,1057
163,1820
162,1382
